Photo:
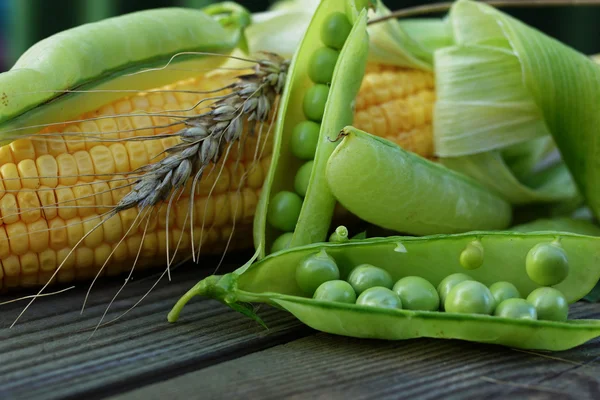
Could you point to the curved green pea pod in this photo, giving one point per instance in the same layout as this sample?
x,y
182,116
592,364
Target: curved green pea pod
x,y
413,195
317,209
271,281
48,79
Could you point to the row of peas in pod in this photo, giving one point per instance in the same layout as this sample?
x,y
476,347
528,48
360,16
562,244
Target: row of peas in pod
x,y
318,276
285,206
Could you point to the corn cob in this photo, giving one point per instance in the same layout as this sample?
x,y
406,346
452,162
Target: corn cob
x,y
59,184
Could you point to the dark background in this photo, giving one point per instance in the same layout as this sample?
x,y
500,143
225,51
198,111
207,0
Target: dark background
x,y
24,22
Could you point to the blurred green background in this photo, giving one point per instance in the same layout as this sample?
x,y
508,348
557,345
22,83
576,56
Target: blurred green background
x,y
24,22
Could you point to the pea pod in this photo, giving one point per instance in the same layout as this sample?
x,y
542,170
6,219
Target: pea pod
x,y
48,80
413,195
271,281
304,100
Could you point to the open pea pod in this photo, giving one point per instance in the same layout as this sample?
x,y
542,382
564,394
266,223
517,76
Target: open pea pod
x,y
390,187
317,101
48,81
272,280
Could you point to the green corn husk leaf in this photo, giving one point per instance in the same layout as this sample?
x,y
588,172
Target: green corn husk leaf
x,y
280,29
553,184
502,88
407,43
564,84
482,104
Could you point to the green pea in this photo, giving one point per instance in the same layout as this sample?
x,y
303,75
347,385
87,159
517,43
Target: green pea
x,y
304,140
448,283
335,30
302,178
503,291
470,297
315,270
339,235
472,256
284,210
282,242
547,264
381,297
549,303
417,293
337,290
516,309
314,102
322,64
366,276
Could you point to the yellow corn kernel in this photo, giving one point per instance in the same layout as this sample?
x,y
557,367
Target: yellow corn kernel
x,y
4,245
155,150
18,238
104,163
204,211
90,128
94,231
149,245
65,202
103,197
6,156
120,253
29,174
74,138
10,177
59,237
48,202
119,187
101,254
47,260
85,199
113,229
22,149
11,265
142,124
67,170
48,168
84,165
29,206
74,231
9,209
84,260
30,264
119,154
38,235
128,217
138,156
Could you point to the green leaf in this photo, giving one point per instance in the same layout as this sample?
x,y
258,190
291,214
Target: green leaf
x,y
248,311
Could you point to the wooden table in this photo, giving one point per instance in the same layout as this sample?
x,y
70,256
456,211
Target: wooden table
x,y
213,352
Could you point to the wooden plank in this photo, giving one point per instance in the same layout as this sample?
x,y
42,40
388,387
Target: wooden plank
x,y
50,353
333,367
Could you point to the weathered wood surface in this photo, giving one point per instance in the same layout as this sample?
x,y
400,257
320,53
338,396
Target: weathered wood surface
x,y
50,353
216,353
